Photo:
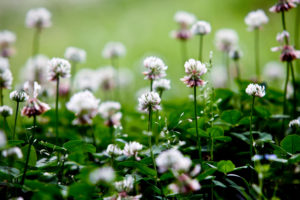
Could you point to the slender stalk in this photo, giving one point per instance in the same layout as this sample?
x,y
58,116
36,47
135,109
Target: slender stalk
x,y
238,72
111,131
256,53
150,141
285,87
56,110
211,149
296,36
283,22
1,96
93,135
36,42
151,85
16,118
115,64
200,47
196,124
226,61
74,64
251,136
294,92
28,151
183,51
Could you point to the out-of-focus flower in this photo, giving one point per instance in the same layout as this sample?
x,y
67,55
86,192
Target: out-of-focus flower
x,y
14,151
132,149
295,123
85,106
220,72
103,174
235,54
161,85
75,54
256,19
87,79
283,5
149,100
125,77
33,106
274,70
226,39
35,69
107,77
18,96
3,140
126,185
38,18
7,39
4,64
156,68
201,28
288,53
281,37
255,90
58,67
5,74
64,88
6,111
174,160
183,34
113,150
110,111
114,50
194,70
184,19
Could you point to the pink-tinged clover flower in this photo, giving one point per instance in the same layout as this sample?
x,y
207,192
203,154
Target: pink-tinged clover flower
x,y
194,70
149,100
283,5
156,68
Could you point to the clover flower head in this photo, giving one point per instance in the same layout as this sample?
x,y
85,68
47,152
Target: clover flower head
x,y
295,123
14,151
125,185
184,18
107,78
6,111
4,64
113,149
235,54
201,28
38,18
6,77
255,90
58,67
194,69
87,79
283,5
7,38
132,149
288,53
114,50
75,54
18,96
110,111
156,68
226,39
282,36
84,105
256,19
149,100
161,85
182,34
103,174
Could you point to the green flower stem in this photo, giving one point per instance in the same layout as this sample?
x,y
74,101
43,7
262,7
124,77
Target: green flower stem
x,y
56,110
183,51
285,87
256,53
150,141
93,135
238,72
28,151
74,70
294,92
16,118
212,149
1,96
115,64
200,47
251,136
36,42
226,61
196,124
151,85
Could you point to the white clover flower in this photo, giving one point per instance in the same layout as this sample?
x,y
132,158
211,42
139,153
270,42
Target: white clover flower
x,y
156,68
161,85
113,149
226,39
103,174
14,151
114,50
5,78
35,69
58,67
4,64
85,106
132,149
149,100
75,54
33,106
256,19
87,79
126,185
110,111
218,76
274,70
194,69
255,90
201,28
107,77
173,159
7,38
184,18
235,54
18,96
3,140
295,123
38,18
280,37
6,111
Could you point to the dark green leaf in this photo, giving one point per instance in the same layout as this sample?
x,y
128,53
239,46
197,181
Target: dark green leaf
x,y
225,166
231,116
79,146
291,143
141,167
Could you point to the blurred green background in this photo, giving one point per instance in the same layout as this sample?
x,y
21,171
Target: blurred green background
x,y
144,27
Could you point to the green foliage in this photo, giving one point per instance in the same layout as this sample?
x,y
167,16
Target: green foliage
x,y
291,143
225,166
